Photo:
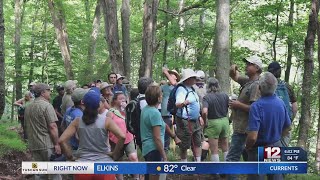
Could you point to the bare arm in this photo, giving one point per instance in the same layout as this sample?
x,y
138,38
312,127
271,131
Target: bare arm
x,y
285,132
65,137
294,109
172,135
53,130
251,139
234,73
181,105
58,114
156,131
169,77
205,115
18,103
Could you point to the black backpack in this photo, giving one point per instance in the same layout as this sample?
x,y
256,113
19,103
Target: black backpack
x,y
133,112
172,108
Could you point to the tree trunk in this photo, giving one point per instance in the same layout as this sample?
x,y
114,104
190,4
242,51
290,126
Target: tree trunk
x,y
289,42
180,41
2,62
318,133
276,33
221,44
307,75
112,36
62,36
45,46
148,37
95,31
18,13
125,21
87,9
32,46
165,46
199,50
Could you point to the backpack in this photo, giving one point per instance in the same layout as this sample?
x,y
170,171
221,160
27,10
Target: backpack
x,y
282,93
133,112
172,108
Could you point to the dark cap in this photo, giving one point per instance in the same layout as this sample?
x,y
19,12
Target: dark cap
x,y
274,66
40,87
59,88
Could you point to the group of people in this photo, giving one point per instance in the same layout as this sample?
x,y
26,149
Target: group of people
x,y
90,123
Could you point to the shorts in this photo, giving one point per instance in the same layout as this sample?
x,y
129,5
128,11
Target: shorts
x,y
217,128
184,130
153,155
127,148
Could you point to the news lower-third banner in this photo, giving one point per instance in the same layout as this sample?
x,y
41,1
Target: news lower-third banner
x,y
164,167
271,160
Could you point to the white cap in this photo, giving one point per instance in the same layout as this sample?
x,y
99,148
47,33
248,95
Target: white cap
x,y
254,60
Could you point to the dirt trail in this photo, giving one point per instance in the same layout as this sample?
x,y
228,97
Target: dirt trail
x,y
10,165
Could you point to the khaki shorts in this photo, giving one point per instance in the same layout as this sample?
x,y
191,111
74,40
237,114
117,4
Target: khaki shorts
x,y
184,130
127,148
217,128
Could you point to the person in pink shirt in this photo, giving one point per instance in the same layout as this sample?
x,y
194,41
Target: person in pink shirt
x,y
117,114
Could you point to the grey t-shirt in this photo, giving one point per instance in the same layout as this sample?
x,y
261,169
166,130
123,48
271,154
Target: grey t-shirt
x,y
93,141
217,104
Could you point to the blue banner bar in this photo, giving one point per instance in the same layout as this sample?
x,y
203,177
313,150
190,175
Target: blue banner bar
x,y
200,168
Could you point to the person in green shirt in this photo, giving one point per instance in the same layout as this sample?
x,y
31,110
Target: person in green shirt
x,y
152,128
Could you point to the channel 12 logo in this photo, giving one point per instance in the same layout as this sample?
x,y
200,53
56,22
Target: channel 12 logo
x,y
272,154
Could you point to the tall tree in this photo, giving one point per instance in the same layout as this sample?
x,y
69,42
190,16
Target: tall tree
x,y
112,35
289,42
125,21
2,64
221,49
317,158
95,31
274,48
31,54
307,75
148,37
59,23
166,26
18,15
87,9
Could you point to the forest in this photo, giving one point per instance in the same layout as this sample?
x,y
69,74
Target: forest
x,y
53,41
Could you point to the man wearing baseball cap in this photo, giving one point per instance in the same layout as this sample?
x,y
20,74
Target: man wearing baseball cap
x,y
249,93
74,112
285,92
40,123
67,102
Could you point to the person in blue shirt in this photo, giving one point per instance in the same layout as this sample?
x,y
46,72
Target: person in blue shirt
x,y
173,77
74,112
268,121
188,119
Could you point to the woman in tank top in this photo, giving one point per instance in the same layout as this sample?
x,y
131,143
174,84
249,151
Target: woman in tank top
x,y
117,114
93,131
